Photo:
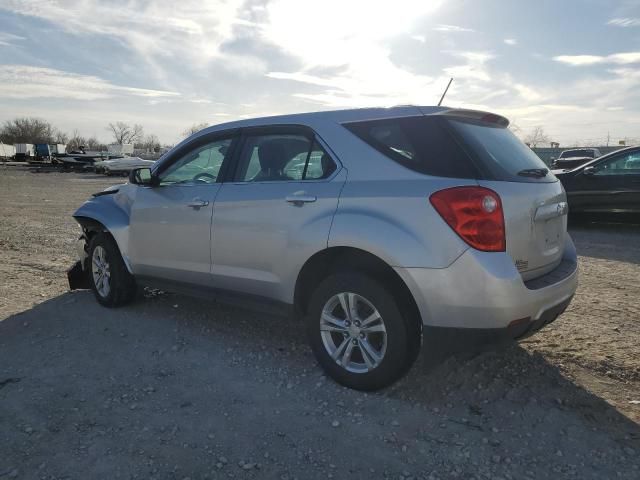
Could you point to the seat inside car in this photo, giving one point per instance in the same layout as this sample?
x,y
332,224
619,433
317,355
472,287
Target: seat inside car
x,y
272,157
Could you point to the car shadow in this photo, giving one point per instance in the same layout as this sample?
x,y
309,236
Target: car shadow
x,y
169,382
614,238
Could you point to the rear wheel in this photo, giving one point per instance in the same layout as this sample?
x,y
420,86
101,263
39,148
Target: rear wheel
x,y
358,333
111,282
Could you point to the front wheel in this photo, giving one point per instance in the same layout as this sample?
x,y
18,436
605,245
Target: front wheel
x,y
358,333
111,282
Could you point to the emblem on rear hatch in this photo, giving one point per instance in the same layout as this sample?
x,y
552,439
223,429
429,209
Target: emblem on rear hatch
x,y
522,264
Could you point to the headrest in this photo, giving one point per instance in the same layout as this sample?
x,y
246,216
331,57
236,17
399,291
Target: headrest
x,y
272,155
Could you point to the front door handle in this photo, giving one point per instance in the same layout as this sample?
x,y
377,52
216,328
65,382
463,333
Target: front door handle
x,y
197,203
299,199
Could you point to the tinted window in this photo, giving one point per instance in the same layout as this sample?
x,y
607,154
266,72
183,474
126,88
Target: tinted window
x,y
200,165
577,153
498,152
423,144
282,157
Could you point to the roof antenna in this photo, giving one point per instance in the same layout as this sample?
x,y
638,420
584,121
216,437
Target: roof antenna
x,y
445,91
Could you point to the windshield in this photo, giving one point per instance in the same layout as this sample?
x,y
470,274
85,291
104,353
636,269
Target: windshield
x,y
499,152
577,153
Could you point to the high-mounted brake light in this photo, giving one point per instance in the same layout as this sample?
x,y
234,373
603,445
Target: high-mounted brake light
x,y
475,214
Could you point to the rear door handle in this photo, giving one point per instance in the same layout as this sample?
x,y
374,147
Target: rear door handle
x,y
299,199
197,203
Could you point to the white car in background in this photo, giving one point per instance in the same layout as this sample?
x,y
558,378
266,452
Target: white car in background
x,y
121,166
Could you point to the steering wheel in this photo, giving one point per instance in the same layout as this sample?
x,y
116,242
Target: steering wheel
x,y
201,176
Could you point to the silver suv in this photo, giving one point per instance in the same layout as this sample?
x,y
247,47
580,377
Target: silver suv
x,y
378,227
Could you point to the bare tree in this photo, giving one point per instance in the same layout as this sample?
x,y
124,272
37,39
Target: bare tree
x,y
60,137
536,137
195,128
125,133
26,130
92,143
150,142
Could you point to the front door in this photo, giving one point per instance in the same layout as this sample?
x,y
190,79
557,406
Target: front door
x,y
170,230
613,185
274,213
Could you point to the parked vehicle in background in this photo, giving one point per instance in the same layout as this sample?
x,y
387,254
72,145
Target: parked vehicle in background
x,y
120,149
121,166
7,152
24,152
42,153
573,158
610,183
58,149
446,227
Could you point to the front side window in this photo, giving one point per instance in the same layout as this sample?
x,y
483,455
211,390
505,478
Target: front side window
x,y
282,157
198,166
628,164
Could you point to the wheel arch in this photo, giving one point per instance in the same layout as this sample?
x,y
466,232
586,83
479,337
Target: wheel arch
x,y
337,259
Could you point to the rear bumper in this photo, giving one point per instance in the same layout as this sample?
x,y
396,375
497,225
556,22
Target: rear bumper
x,y
484,291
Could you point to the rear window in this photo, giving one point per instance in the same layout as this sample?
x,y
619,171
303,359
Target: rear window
x,y
498,152
422,144
577,153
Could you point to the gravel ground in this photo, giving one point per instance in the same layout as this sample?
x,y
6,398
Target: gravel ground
x,y
173,388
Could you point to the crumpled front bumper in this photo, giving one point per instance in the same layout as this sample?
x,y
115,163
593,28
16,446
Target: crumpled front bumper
x,y
77,276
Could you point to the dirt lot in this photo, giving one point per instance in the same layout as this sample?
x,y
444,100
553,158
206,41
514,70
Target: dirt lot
x,y
171,388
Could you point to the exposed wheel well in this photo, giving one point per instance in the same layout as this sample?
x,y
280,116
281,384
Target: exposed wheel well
x,y
91,227
337,259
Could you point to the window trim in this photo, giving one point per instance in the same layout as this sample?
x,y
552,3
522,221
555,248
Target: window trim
x,y
284,129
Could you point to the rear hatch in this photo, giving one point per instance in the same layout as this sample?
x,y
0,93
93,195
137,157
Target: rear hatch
x,y
533,200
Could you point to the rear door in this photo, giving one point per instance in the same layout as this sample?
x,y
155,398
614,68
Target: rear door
x,y
274,211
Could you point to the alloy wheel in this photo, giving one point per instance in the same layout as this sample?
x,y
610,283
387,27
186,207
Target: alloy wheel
x,y
353,332
101,271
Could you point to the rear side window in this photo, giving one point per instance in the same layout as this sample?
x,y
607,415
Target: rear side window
x,y
422,144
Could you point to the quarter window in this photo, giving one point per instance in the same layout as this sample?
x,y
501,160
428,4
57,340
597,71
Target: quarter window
x,y
282,157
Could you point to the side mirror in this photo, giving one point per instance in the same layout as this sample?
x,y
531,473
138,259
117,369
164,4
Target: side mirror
x,y
589,171
142,176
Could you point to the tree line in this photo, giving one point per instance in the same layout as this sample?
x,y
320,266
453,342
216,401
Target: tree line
x,y
35,130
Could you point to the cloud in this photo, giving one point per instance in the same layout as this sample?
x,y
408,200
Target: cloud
x,y
8,39
582,60
191,31
510,41
349,60
452,28
24,82
624,22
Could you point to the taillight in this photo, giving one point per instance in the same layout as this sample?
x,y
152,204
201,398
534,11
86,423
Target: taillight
x,y
475,214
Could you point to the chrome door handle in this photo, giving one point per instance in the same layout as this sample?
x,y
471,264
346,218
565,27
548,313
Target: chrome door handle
x,y
197,203
300,199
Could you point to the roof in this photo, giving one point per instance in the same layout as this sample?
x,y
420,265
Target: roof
x,y
350,115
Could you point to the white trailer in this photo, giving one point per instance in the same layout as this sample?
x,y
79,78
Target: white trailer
x,y
121,149
7,152
58,148
24,151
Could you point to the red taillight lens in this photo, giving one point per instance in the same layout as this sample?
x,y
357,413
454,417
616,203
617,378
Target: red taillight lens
x,y
475,214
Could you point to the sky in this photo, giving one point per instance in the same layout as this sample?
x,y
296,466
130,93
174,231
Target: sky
x,y
570,66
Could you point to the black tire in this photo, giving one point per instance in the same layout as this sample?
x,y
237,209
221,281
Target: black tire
x,y
403,334
122,285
